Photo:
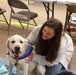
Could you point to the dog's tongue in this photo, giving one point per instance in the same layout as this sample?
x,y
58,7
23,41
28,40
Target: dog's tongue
x,y
16,54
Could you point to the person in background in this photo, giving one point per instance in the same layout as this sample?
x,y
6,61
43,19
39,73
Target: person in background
x,y
53,47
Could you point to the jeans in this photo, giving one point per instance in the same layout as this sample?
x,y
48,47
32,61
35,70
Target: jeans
x,y
53,70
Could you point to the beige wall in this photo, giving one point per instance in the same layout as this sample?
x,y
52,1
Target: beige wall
x,y
59,12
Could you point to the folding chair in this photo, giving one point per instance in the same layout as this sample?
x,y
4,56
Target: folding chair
x,y
70,20
2,11
23,14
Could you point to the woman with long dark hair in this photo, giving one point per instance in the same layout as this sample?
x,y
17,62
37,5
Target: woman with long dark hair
x,y
53,47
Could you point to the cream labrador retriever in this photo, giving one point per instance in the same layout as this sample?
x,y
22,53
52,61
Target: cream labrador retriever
x,y
18,49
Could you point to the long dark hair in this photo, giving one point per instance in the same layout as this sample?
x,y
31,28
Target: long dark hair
x,y
49,48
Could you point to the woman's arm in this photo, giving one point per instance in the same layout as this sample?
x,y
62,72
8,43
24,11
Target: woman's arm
x,y
29,58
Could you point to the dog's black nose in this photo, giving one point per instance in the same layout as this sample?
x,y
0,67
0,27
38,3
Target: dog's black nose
x,y
17,49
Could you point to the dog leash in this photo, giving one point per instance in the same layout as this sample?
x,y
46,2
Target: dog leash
x,y
17,71
16,64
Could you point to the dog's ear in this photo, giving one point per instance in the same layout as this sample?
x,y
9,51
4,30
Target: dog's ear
x,y
7,43
26,41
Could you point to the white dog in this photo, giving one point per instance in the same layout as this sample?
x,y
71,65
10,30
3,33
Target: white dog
x,y
16,47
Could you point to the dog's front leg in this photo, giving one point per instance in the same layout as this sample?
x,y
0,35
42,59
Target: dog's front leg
x,y
41,69
25,69
10,69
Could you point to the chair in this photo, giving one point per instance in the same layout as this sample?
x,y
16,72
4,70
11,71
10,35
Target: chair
x,y
70,20
21,12
2,11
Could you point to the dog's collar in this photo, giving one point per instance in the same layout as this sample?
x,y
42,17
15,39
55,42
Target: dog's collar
x,y
8,53
26,54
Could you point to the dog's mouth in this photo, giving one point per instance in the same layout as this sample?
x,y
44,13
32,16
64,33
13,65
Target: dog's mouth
x,y
17,54
17,51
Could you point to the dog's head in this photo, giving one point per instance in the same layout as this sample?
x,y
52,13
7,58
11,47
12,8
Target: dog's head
x,y
16,45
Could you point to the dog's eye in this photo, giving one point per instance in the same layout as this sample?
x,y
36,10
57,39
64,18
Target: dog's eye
x,y
21,41
12,41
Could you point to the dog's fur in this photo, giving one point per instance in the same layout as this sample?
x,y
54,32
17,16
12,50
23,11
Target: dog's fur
x,y
16,46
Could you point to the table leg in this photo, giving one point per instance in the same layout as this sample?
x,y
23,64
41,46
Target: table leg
x,y
47,8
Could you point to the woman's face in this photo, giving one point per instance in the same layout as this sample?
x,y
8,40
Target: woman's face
x,y
47,33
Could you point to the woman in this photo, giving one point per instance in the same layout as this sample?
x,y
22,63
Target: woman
x,y
54,48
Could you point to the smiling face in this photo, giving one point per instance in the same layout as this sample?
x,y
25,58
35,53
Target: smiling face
x,y
16,45
47,33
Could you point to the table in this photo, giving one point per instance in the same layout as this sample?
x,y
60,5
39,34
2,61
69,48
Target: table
x,y
46,4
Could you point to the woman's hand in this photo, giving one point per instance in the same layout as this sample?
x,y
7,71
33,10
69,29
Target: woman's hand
x,y
29,58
